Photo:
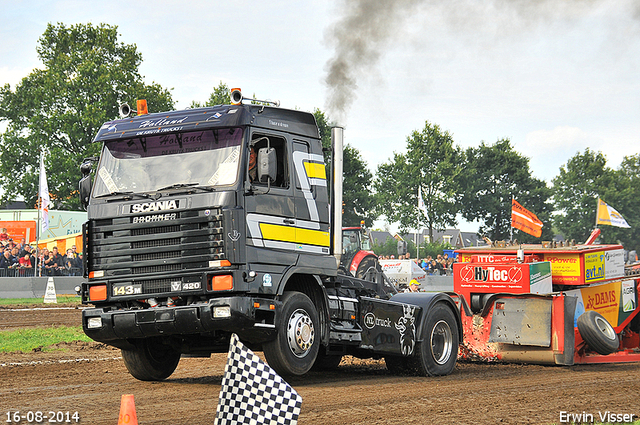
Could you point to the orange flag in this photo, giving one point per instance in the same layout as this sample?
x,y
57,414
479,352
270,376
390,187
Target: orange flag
x,y
525,220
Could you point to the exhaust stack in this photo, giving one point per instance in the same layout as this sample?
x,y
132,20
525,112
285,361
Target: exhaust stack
x,y
337,134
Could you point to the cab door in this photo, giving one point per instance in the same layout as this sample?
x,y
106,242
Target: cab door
x,y
270,205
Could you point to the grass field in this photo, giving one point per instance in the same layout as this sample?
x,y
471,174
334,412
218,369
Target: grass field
x,y
39,338
62,299
26,340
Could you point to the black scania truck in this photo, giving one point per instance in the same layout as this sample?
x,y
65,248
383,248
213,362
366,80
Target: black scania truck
x,y
207,222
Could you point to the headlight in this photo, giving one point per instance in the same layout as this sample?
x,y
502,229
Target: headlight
x,y
222,311
94,322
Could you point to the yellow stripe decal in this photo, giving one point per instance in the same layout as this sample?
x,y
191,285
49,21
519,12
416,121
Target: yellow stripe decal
x,y
298,235
315,170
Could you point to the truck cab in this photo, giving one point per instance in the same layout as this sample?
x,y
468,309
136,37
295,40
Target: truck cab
x,y
207,222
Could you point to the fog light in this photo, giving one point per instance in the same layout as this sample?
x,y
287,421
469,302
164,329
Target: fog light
x,y
94,322
222,311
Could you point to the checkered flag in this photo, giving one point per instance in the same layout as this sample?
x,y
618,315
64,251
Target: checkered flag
x,y
253,393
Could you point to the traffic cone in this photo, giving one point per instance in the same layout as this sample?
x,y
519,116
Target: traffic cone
x,y
127,411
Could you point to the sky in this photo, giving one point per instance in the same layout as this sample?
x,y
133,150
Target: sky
x,y
555,77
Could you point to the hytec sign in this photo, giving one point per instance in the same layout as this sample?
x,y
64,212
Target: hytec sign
x,y
511,274
514,278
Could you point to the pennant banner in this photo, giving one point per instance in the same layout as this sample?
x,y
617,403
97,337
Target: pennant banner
x,y
525,220
44,196
609,216
253,393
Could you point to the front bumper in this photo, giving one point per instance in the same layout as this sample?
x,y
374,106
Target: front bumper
x,y
251,318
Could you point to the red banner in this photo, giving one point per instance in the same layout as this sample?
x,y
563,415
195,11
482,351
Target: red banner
x,y
525,220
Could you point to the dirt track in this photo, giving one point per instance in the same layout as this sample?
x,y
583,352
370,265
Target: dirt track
x,y
90,379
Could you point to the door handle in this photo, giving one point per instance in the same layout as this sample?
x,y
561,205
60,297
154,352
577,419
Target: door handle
x,y
289,221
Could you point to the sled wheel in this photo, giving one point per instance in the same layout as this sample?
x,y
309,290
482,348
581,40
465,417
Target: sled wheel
x,y
437,354
397,365
598,332
296,345
151,360
327,361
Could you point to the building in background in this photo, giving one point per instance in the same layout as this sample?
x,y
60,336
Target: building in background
x,y
21,223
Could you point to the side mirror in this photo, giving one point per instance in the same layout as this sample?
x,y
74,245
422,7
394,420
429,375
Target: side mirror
x,y
84,187
267,165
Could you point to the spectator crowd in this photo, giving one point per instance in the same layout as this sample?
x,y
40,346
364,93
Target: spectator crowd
x,y
22,260
441,265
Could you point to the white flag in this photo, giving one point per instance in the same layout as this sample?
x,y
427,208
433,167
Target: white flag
x,y
421,206
606,214
44,197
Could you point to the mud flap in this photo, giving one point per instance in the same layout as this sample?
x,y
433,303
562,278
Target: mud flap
x,y
566,356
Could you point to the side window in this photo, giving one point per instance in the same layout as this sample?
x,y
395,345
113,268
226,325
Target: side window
x,y
300,147
259,141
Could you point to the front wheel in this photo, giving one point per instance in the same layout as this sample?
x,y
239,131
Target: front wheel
x,y
151,360
294,350
437,354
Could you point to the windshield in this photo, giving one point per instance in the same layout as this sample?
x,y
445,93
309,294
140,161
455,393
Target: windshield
x,y
150,163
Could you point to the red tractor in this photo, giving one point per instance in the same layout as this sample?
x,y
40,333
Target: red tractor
x,y
357,258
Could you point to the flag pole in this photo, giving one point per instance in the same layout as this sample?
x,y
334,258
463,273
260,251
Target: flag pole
x,y
38,272
417,236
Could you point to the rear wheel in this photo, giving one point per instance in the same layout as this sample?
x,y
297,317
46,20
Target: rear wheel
x,y
367,264
151,360
295,347
598,332
437,354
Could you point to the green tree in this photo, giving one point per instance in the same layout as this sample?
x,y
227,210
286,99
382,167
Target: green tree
x,y
625,198
357,191
219,96
583,179
433,164
494,175
387,248
58,109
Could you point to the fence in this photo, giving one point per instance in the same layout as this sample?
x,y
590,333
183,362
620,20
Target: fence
x,y
35,287
31,272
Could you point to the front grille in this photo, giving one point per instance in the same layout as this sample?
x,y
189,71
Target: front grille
x,y
153,286
151,244
121,248
154,230
156,269
156,255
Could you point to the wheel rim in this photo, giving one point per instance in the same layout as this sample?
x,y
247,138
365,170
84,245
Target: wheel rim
x,y
441,342
300,333
605,328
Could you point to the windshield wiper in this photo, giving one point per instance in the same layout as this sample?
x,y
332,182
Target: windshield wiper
x,y
194,185
126,195
177,186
